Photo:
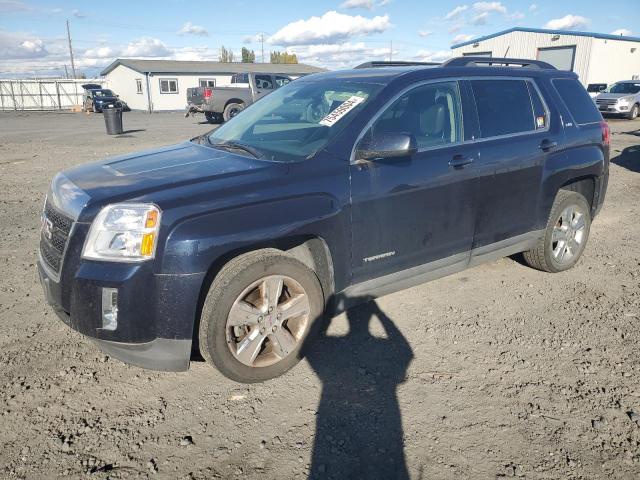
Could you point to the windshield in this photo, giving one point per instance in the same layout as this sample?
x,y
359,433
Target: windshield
x,y
297,120
625,87
103,93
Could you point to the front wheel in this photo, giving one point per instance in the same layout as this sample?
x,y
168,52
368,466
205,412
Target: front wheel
x,y
633,114
257,315
565,236
211,117
231,111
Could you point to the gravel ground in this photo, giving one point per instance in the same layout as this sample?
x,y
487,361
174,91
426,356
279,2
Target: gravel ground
x,y
498,371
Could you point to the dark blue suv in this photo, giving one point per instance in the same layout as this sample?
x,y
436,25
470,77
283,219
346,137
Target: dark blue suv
x,y
335,189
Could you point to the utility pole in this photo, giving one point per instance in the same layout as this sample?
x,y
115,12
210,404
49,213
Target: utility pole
x,y
73,65
262,45
66,72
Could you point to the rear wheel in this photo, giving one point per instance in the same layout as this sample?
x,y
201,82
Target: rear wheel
x,y
211,117
565,236
232,110
258,314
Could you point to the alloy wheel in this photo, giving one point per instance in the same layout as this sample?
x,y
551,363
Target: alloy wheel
x,y
568,234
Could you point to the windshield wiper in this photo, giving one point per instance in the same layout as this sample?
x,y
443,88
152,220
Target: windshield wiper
x,y
238,146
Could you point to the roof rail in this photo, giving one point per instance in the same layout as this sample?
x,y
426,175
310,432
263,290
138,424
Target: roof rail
x,y
399,63
505,62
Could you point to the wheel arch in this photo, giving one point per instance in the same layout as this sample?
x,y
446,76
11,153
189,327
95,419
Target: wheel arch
x,y
586,186
313,251
234,100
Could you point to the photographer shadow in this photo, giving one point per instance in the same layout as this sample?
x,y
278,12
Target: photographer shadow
x,y
358,425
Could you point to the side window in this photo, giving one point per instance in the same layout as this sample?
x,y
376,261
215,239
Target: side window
x,y
281,81
264,81
540,113
432,113
578,102
504,107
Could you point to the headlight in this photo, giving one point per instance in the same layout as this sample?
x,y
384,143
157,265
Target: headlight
x,y
623,102
123,232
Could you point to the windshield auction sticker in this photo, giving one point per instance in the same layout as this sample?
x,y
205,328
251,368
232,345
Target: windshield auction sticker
x,y
340,111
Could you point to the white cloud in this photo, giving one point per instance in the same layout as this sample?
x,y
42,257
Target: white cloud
x,y
190,29
384,3
12,6
15,45
454,28
146,47
424,33
568,22
429,56
101,52
515,16
78,14
461,38
455,13
490,7
343,55
329,28
533,7
368,4
625,32
480,19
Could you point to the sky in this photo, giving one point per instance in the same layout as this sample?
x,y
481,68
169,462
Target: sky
x,y
327,33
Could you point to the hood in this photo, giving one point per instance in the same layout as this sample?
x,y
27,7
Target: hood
x,y
605,96
165,172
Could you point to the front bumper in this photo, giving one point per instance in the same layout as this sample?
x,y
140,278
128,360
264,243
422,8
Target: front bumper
x,y
615,109
155,312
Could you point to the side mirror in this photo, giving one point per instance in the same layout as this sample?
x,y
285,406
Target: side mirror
x,y
387,145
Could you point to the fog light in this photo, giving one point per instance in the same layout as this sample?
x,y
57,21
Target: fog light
x,y
109,308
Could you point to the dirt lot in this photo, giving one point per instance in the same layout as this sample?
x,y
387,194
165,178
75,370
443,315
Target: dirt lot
x,y
498,371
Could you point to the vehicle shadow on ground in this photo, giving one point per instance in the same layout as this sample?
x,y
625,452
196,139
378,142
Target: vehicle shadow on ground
x,y
133,131
358,424
629,158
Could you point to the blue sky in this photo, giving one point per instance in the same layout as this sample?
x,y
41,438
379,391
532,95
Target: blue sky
x,y
333,33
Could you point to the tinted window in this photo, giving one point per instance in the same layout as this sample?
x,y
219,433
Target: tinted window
x,y
539,111
504,107
625,87
431,113
575,97
282,81
264,81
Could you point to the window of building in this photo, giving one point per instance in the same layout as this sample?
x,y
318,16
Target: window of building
x,y
168,85
138,85
578,102
207,82
504,107
432,113
560,57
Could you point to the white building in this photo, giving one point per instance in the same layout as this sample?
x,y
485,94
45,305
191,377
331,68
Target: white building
x,y
595,57
155,85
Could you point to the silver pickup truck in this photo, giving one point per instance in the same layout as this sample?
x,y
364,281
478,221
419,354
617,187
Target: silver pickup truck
x,y
222,103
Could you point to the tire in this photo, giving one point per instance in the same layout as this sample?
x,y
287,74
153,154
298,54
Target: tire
x,y
221,344
633,114
231,110
572,212
211,117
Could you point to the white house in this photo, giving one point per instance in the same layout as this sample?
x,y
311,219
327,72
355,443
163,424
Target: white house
x,y
155,85
595,57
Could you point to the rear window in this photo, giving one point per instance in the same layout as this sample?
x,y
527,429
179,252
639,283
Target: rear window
x,y
504,107
575,97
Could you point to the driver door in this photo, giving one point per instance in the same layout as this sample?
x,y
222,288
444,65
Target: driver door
x,y
415,210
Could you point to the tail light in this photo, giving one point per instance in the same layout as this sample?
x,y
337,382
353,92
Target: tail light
x,y
207,92
606,133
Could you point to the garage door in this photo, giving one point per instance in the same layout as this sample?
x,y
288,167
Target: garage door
x,y
560,57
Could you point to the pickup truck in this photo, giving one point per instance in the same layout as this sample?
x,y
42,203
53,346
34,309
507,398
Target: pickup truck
x,y
337,188
223,103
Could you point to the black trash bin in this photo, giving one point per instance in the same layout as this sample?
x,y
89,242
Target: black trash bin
x,y
113,120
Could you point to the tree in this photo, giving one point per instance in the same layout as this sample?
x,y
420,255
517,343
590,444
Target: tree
x,y
283,57
248,56
226,56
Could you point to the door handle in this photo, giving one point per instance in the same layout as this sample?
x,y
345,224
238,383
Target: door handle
x,y
547,145
459,161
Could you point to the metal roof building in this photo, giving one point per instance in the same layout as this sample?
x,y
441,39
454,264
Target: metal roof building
x,y
595,57
156,85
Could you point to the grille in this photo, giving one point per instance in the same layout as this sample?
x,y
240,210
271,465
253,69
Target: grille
x,y
605,102
53,239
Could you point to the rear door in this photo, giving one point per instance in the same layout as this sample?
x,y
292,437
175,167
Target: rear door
x,y
515,139
415,210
